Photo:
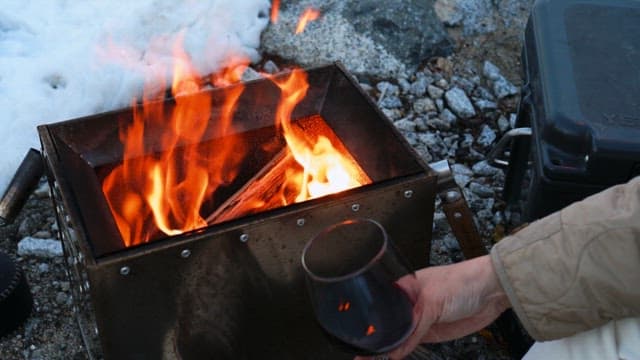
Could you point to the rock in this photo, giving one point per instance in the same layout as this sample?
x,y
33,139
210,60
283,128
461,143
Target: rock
x,y
404,85
378,38
451,242
442,84
490,71
448,116
440,105
476,16
503,88
461,169
405,125
465,84
47,248
250,74
43,268
481,190
482,92
439,124
419,87
424,105
42,234
435,92
461,179
270,67
487,136
390,102
485,105
61,298
459,103
482,168
503,124
42,191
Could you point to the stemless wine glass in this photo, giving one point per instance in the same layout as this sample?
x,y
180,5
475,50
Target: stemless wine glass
x,y
352,270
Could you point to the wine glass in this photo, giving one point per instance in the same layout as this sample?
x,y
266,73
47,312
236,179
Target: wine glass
x,y
352,270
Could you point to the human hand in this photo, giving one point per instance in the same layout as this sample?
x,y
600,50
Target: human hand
x,y
451,301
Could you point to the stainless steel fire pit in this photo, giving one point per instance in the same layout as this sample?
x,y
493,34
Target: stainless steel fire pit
x,y
235,289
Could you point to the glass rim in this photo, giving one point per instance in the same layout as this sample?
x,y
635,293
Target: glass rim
x,y
361,270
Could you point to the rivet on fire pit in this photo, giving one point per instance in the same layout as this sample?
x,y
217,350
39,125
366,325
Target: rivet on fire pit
x,y
125,270
244,237
355,207
185,253
408,193
300,222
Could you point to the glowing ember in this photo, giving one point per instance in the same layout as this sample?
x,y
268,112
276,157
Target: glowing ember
x,y
275,5
309,14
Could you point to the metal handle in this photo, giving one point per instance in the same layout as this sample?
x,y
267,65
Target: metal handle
x,y
21,186
498,150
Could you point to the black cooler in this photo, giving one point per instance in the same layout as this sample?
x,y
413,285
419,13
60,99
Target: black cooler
x,y
580,103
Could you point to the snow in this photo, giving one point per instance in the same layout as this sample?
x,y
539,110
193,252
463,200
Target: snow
x,y
62,59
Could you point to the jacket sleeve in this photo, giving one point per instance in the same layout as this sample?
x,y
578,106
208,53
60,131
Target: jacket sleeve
x,y
575,269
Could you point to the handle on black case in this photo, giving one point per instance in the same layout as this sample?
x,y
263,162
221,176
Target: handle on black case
x,y
494,156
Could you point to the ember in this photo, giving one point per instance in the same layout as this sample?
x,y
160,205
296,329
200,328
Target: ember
x,y
309,14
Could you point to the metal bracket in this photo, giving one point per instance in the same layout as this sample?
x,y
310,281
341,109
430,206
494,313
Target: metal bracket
x,y
457,211
498,150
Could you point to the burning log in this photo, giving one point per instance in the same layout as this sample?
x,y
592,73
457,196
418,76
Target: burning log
x,y
262,192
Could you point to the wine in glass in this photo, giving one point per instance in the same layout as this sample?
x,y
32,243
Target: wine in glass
x,y
352,272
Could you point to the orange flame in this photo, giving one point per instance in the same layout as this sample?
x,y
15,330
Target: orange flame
x,y
171,186
275,6
309,14
325,169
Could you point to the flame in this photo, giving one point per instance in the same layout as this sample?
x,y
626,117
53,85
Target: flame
x,y
309,14
275,7
325,170
171,186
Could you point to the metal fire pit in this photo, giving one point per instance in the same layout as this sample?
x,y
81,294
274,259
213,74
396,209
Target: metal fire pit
x,y
234,290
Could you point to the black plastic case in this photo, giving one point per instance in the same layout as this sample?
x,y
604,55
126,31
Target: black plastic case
x,y
581,62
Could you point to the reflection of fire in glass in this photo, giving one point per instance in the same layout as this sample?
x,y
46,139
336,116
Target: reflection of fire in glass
x,y
168,170
370,330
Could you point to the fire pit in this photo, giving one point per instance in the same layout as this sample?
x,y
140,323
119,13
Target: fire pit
x,y
230,284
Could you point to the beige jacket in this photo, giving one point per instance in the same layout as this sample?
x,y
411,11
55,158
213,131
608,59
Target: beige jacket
x,y
578,268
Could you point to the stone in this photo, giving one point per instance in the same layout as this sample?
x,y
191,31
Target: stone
x,y
439,124
482,92
487,136
512,120
42,191
435,92
387,88
372,37
390,102
270,67
442,84
250,74
46,248
485,105
43,268
482,168
61,298
440,105
451,242
405,125
404,85
503,124
424,105
475,16
461,169
490,71
503,88
459,103
461,179
419,87
481,190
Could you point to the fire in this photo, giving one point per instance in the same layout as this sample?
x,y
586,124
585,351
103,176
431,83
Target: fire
x,y
275,6
171,168
344,306
309,14
171,186
325,170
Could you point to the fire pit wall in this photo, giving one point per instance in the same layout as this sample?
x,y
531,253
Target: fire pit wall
x,y
233,290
